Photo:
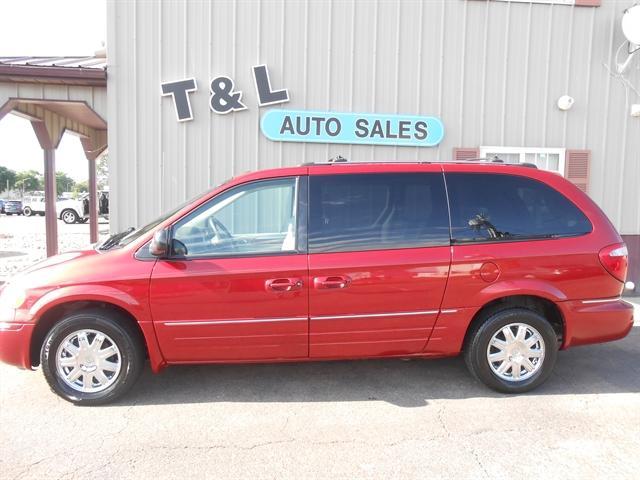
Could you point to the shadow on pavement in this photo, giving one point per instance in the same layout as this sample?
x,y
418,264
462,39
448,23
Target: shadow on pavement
x,y
606,368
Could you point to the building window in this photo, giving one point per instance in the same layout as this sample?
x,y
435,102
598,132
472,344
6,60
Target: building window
x,y
551,159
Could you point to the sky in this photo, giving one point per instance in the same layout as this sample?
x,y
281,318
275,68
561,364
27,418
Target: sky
x,y
60,28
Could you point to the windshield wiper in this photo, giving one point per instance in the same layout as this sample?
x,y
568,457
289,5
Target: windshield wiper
x,y
114,239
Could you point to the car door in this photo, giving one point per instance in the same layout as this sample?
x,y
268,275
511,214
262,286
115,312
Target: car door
x,y
379,258
237,287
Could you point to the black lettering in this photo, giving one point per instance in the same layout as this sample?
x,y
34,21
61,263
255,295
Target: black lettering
x,y
377,129
362,128
389,134
287,126
318,121
337,129
179,92
404,129
266,96
307,126
421,130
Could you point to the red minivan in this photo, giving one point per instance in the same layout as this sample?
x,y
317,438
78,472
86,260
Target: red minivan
x,y
505,264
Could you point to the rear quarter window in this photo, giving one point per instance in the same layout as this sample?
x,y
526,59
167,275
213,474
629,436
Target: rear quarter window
x,y
494,207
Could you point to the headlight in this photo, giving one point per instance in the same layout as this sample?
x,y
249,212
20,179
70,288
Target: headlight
x,y
12,297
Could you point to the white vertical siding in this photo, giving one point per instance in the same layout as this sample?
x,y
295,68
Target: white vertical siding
x,y
491,70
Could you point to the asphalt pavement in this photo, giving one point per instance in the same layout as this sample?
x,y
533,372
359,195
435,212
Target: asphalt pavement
x,y
361,419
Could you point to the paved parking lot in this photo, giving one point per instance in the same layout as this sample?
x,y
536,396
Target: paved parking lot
x,y
365,419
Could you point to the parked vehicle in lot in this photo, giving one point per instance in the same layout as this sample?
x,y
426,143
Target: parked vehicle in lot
x,y
13,207
505,264
76,210
33,205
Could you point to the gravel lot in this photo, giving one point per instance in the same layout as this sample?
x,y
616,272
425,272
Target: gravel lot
x,y
365,419
22,241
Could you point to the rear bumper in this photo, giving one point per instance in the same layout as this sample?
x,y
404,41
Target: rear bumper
x,y
595,321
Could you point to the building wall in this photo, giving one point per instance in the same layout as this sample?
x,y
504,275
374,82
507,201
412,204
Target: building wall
x,y
491,70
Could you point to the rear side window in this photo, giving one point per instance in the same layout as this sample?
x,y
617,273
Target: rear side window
x,y
492,207
377,211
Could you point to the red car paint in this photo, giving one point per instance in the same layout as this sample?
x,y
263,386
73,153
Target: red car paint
x,y
404,302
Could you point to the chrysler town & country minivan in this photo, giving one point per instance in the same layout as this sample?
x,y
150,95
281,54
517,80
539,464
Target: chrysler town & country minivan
x,y
504,264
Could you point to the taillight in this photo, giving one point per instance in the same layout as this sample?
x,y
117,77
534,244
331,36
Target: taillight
x,y
614,259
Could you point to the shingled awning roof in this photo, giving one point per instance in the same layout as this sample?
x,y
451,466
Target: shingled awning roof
x,y
89,71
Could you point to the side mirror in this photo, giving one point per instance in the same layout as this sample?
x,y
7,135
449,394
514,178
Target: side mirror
x,y
159,246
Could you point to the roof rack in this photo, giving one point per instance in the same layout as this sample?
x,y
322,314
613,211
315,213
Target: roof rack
x,y
339,159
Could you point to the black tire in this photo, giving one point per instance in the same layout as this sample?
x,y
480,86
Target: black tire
x,y
27,211
475,351
69,216
41,214
83,220
127,340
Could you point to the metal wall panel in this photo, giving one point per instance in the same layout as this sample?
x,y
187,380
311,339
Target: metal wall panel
x,y
492,71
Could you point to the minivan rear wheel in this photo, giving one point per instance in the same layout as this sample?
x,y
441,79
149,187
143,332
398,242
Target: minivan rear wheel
x,y
91,357
512,351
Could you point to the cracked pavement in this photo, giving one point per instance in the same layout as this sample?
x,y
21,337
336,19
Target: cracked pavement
x,y
362,419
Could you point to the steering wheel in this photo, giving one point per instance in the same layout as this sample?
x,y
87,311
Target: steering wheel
x,y
218,228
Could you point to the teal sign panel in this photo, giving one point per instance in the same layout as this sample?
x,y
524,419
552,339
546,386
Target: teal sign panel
x,y
352,128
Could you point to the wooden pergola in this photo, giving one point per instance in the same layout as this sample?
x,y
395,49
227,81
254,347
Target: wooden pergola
x,y
58,95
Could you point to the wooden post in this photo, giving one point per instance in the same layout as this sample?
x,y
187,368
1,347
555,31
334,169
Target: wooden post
x,y
93,201
50,193
50,197
93,147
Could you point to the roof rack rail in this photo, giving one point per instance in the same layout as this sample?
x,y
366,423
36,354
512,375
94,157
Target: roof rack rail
x,y
338,159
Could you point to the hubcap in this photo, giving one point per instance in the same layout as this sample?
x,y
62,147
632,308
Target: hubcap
x,y
516,352
88,361
68,217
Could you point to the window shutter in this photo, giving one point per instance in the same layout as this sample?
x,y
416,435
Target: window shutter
x,y
588,3
462,154
576,168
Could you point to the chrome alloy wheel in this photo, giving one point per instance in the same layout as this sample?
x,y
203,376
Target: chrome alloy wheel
x,y
516,352
88,361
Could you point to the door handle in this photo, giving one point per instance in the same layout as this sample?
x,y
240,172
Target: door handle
x,y
283,284
333,281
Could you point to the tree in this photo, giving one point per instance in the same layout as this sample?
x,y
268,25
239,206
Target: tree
x,y
80,187
7,178
64,183
102,171
29,181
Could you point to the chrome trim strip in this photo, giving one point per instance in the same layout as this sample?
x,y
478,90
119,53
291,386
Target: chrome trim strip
x,y
449,310
227,322
602,300
368,315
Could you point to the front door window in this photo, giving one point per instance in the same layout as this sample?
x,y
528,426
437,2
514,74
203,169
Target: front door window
x,y
252,219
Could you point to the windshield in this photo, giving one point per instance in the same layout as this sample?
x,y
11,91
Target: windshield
x,y
128,236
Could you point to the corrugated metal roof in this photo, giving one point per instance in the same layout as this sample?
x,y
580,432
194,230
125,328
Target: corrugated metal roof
x,y
98,63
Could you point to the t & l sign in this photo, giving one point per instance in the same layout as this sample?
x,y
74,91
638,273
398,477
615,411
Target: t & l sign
x,y
223,98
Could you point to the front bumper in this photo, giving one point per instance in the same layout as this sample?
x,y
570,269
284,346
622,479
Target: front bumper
x,y
595,321
15,340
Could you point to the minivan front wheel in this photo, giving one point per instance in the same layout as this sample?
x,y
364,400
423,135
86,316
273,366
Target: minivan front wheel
x,y
512,351
91,357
